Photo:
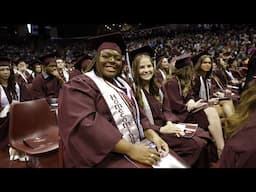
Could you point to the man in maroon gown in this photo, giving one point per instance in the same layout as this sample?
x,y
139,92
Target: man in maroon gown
x,y
49,82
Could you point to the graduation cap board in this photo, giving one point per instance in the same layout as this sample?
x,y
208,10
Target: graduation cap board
x,y
108,41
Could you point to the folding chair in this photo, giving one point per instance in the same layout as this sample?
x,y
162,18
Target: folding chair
x,y
33,130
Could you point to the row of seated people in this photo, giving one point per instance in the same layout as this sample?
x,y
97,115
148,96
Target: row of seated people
x,y
113,143
109,116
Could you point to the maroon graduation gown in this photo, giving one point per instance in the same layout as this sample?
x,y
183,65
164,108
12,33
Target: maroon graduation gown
x,y
45,87
87,128
74,73
240,150
188,149
4,122
177,104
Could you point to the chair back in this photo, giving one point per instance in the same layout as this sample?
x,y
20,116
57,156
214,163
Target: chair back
x,y
33,127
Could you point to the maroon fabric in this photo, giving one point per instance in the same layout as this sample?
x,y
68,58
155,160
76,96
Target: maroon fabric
x,y
74,73
240,150
177,104
4,122
45,88
222,76
159,77
48,60
20,79
87,127
4,130
214,88
236,74
109,45
190,149
4,63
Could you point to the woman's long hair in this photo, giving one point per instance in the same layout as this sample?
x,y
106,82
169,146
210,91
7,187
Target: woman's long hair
x,y
246,106
185,76
159,66
11,84
153,85
199,71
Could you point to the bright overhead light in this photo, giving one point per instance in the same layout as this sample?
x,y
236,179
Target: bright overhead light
x,y
29,28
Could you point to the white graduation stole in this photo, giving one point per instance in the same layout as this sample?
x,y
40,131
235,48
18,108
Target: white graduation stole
x,y
5,102
204,89
163,74
23,76
146,108
121,113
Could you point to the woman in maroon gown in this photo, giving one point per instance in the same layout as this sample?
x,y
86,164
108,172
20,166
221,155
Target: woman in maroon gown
x,y
10,91
150,99
207,86
240,147
98,118
181,102
163,68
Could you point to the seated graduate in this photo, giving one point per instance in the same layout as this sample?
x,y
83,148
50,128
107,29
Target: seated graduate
x,y
62,68
81,64
240,130
10,92
181,102
49,82
99,118
163,69
150,99
207,86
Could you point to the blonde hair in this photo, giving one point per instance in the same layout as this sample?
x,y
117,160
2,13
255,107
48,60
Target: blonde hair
x,y
185,76
246,106
153,85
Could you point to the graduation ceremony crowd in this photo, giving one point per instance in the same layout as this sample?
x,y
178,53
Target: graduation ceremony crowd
x,y
134,99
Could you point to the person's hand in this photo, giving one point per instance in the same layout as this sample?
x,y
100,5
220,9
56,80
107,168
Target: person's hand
x,y
170,128
143,154
219,94
213,101
161,145
199,103
57,75
190,105
235,81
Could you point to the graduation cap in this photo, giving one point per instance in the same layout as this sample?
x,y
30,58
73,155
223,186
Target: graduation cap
x,y
48,58
20,59
83,61
5,61
182,60
197,56
108,41
159,57
35,62
147,50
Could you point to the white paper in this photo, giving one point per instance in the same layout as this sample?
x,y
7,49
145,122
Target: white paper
x,y
169,162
